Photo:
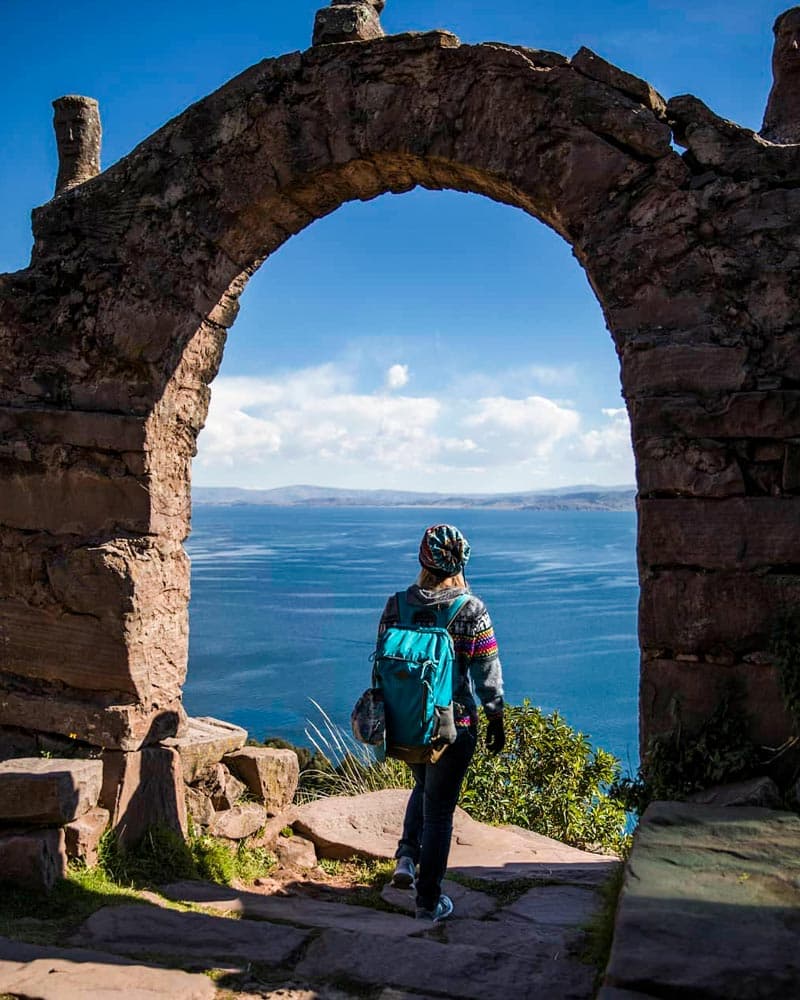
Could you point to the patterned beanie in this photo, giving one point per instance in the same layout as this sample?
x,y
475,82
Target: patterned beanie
x,y
445,549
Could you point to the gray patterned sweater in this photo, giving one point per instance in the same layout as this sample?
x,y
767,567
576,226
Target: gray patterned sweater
x,y
479,672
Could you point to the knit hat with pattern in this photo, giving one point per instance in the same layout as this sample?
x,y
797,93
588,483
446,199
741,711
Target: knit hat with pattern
x,y
445,549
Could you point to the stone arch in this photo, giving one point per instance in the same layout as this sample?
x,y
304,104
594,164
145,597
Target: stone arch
x,y
114,332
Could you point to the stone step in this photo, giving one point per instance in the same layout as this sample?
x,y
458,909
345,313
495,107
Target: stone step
x,y
301,911
428,966
710,907
48,791
48,973
150,930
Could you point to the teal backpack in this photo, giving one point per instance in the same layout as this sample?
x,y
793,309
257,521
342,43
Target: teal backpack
x,y
414,667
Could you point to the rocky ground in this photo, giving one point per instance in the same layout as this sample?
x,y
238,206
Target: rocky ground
x,y
523,903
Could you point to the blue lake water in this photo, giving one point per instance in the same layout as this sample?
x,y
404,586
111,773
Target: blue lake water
x,y
285,604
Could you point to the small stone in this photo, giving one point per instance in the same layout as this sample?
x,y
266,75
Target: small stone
x,y
296,852
82,835
134,929
199,806
239,822
271,775
35,860
217,783
48,791
206,741
351,22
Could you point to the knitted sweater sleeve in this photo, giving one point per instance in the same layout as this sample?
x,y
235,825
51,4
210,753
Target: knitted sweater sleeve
x,y
476,648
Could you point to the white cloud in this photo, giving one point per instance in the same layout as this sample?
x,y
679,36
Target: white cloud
x,y
397,377
316,425
520,428
610,443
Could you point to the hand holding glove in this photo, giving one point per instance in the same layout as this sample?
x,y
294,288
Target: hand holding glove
x,y
495,735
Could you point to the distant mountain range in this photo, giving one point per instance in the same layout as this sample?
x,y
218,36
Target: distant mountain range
x,y
565,498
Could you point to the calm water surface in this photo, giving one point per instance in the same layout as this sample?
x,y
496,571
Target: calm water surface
x,y
285,603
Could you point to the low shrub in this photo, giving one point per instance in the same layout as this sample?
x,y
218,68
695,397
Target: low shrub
x,y
548,779
684,761
162,856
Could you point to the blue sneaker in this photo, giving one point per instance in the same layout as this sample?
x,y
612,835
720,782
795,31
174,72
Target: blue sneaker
x,y
442,911
404,874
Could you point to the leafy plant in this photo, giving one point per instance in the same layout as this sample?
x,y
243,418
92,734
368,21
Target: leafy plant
x,y
785,651
687,760
164,856
350,768
548,779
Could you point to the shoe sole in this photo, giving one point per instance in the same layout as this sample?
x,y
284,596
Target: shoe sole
x,y
403,882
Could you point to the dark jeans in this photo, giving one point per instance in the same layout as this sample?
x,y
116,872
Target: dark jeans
x,y
428,824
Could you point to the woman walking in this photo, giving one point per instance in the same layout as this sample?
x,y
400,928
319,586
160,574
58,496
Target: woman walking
x,y
428,825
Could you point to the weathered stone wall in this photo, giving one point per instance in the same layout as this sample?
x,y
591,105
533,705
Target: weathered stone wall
x,y
114,332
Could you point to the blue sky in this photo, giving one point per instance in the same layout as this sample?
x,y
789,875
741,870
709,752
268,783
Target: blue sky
x,y
427,341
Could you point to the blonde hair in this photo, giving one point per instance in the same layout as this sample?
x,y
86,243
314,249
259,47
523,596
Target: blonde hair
x,y
431,580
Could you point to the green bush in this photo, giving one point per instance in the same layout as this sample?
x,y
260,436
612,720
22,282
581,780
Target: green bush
x,y
785,650
162,855
548,779
687,760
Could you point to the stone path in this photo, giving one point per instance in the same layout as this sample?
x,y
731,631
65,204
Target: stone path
x,y
710,907
518,932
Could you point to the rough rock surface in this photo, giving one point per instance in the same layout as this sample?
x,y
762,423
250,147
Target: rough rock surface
x,y
271,775
48,973
369,826
113,333
145,929
48,791
143,789
205,742
238,822
82,835
199,806
782,117
762,792
35,859
219,786
357,21
710,905
296,852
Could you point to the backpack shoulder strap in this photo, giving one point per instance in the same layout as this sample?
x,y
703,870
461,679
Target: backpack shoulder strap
x,y
403,610
447,616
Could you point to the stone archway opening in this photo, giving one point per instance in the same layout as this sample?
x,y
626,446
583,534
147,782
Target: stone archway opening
x,y
271,388
115,330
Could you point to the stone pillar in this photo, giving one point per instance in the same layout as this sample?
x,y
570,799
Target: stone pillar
x,y
782,117
348,21
78,133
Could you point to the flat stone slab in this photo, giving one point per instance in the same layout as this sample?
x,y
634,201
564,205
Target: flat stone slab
x,y
559,905
369,826
468,903
205,741
417,963
299,910
710,907
35,859
47,973
135,930
510,936
50,791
